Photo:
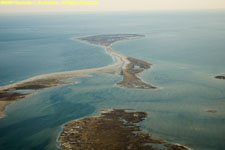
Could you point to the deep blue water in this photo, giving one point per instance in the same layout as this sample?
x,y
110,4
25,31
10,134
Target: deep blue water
x,y
185,48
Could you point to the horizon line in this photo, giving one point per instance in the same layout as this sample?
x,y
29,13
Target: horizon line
x,y
119,11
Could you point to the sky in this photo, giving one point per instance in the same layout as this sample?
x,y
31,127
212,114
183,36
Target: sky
x,y
117,5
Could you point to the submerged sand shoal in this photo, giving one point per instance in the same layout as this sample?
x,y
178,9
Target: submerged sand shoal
x,y
129,67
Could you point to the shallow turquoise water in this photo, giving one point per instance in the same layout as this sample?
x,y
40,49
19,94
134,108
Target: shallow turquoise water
x,y
186,50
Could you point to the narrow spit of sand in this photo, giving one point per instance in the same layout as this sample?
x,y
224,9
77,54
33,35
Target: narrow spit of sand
x,y
54,79
122,64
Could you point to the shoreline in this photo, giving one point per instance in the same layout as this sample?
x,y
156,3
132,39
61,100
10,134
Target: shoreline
x,y
44,81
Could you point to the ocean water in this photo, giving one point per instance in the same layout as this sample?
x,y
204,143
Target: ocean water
x,y
185,48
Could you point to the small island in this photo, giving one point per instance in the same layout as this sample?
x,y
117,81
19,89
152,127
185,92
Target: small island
x,y
127,66
222,77
211,111
114,129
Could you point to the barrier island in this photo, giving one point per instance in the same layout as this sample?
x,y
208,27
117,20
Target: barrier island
x,y
124,65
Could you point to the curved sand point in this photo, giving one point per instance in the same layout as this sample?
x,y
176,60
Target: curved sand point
x,y
129,67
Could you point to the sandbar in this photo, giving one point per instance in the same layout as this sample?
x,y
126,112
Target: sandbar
x,y
124,65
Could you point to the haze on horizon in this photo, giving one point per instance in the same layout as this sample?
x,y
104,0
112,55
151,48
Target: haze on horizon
x,y
118,5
